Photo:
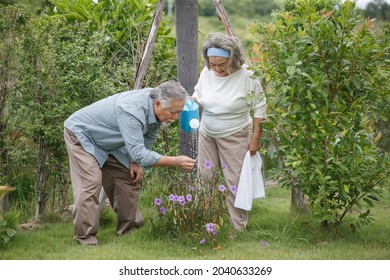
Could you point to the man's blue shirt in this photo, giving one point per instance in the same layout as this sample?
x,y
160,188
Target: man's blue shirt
x,y
123,125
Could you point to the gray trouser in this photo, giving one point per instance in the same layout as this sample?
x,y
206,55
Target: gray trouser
x,y
229,151
87,180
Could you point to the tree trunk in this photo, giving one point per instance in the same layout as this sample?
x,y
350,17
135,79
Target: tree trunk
x,y
41,183
298,202
41,195
187,61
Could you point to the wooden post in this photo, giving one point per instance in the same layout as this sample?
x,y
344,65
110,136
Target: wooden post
x,y
143,65
187,43
187,61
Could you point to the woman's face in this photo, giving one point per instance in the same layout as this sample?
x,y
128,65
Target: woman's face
x,y
219,65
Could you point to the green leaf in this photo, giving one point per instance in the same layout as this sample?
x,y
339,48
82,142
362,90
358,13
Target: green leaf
x,y
364,215
368,201
11,232
291,70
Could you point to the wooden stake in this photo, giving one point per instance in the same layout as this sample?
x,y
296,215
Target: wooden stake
x,y
143,65
222,15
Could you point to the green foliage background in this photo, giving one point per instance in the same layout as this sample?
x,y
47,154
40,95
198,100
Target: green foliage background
x,y
55,63
327,79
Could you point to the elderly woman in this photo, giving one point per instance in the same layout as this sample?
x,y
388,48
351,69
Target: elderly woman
x,y
228,95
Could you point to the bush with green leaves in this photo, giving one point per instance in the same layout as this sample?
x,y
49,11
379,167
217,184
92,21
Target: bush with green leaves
x,y
63,61
125,25
327,77
5,232
8,225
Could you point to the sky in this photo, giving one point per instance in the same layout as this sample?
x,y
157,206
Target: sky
x,y
363,3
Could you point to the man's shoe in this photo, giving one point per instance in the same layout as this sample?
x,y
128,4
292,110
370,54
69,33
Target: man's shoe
x,y
90,240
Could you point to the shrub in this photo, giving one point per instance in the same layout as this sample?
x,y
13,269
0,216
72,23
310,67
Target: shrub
x,y
327,79
8,225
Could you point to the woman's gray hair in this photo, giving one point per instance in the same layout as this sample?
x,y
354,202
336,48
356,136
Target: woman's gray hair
x,y
231,44
168,92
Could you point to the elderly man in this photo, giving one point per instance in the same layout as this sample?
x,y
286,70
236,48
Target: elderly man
x,y
108,143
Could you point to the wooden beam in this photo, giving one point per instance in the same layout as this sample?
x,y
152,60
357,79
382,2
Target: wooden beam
x,y
222,15
143,65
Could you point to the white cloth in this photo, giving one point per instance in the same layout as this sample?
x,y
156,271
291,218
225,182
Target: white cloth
x,y
251,184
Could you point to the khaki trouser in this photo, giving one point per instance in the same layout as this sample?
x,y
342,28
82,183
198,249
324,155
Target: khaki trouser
x,y
87,180
229,151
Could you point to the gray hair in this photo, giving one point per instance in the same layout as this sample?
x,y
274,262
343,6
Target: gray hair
x,y
168,92
232,44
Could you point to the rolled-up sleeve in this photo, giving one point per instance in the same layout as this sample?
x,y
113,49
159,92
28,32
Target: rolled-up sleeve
x,y
258,102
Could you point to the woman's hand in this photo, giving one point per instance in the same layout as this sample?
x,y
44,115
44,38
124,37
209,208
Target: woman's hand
x,y
254,146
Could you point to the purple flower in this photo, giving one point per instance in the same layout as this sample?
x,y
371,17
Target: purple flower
x,y
190,188
163,210
264,243
234,189
189,197
222,188
203,241
181,199
210,227
225,166
208,164
172,197
157,201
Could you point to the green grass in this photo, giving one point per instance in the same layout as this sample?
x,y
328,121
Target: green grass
x,y
289,237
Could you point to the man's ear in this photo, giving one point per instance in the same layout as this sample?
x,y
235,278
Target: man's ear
x,y
157,102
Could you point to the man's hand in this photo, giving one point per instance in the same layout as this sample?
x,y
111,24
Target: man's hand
x,y
185,163
136,172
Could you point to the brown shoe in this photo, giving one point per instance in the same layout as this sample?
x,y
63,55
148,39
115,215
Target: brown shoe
x,y
90,240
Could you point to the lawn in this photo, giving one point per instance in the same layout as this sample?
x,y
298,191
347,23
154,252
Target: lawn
x,y
274,233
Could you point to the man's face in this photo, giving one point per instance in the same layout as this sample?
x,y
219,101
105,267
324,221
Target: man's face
x,y
170,114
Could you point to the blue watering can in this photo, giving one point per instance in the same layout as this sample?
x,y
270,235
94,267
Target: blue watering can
x,y
189,117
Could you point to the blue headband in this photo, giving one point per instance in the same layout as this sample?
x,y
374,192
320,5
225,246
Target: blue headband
x,y
218,52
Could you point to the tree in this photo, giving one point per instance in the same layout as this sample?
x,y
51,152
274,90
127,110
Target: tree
x,y
378,9
328,80
11,25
